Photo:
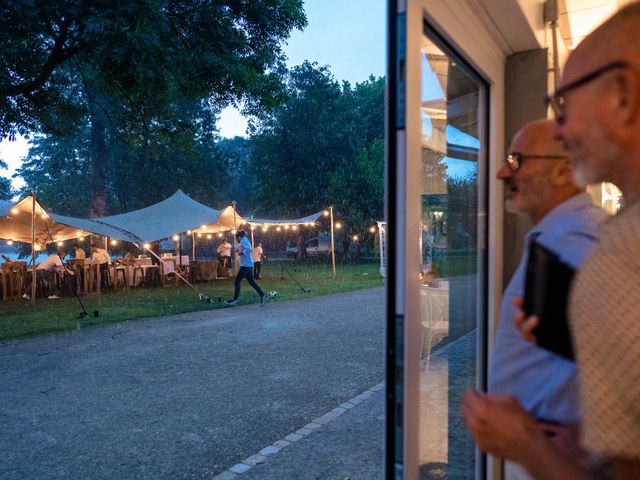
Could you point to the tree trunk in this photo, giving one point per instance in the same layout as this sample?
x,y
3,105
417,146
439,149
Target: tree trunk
x,y
98,165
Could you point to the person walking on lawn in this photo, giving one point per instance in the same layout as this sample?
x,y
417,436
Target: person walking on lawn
x,y
244,254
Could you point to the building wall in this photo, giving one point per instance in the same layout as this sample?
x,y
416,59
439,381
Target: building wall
x,y
525,87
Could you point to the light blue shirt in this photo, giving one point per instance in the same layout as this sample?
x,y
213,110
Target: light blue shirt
x,y
545,383
244,250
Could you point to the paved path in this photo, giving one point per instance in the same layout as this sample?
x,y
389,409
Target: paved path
x,y
186,396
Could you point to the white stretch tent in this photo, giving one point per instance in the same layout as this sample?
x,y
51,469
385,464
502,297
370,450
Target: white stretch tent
x,y
16,224
308,220
176,214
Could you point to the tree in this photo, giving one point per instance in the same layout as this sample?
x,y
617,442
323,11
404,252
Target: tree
x,y
126,67
5,185
296,146
323,146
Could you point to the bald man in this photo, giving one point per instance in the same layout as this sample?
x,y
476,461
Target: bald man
x,y
597,108
538,183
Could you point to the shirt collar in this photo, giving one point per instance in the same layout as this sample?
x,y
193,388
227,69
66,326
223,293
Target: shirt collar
x,y
572,204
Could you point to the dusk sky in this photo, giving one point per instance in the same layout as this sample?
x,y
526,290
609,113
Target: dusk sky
x,y
346,35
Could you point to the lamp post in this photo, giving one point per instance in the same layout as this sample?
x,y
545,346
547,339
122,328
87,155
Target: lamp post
x,y
333,251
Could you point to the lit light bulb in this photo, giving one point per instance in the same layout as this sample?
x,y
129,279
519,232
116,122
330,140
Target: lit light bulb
x,y
326,213
372,229
199,235
14,211
278,229
286,227
114,242
146,245
295,227
338,225
233,231
209,237
10,242
176,238
188,232
60,244
38,248
219,235
355,238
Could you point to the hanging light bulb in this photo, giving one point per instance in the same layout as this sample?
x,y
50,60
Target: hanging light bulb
x,y
338,225
372,229
220,235
278,229
60,244
114,242
188,232
295,227
9,242
355,238
326,213
176,238
15,211
209,236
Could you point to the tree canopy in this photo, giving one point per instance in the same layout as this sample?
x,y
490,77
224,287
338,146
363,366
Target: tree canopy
x,y
323,146
135,70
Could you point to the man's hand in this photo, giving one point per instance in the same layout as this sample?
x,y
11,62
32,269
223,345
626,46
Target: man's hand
x,y
500,425
565,439
526,325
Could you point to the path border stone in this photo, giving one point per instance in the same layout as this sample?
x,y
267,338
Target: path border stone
x,y
313,426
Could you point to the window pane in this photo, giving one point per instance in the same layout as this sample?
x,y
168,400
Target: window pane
x,y
450,256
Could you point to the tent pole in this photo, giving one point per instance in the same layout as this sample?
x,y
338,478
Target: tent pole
x,y
252,242
235,241
193,245
33,247
179,249
333,251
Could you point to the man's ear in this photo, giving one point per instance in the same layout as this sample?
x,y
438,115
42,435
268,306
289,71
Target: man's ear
x,y
562,173
627,96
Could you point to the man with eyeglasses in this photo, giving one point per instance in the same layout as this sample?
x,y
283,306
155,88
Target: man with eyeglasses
x,y
597,110
538,184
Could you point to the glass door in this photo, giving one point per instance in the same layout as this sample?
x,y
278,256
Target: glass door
x,y
436,287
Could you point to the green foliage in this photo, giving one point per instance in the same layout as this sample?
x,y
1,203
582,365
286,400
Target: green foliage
x,y
137,60
462,211
147,77
324,146
5,185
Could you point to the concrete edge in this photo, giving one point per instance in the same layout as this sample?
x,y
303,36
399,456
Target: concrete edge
x,y
314,425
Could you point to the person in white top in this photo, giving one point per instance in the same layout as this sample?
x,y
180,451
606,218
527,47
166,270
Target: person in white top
x,y
79,252
245,257
224,253
257,260
102,256
45,272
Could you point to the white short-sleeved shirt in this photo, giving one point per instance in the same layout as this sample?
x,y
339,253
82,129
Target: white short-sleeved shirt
x,y
50,264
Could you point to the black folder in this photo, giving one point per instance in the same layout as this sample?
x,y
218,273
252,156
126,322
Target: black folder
x,y
546,292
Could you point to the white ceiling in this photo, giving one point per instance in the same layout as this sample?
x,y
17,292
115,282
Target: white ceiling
x,y
578,18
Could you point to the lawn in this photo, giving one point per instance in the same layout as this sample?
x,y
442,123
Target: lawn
x,y
21,319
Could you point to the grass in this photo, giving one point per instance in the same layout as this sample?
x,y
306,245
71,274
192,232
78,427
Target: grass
x,y
21,319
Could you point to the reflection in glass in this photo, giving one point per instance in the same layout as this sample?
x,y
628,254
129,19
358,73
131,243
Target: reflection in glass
x,y
449,273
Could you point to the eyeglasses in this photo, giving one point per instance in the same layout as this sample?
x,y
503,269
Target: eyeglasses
x,y
557,100
515,160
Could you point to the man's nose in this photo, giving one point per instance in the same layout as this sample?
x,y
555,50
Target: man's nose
x,y
504,172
